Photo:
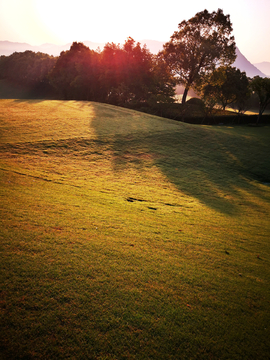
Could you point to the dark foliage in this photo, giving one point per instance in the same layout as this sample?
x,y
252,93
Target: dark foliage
x,y
225,86
28,70
118,75
261,87
76,74
126,76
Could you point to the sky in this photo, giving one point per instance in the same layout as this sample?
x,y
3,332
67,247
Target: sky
x,y
62,21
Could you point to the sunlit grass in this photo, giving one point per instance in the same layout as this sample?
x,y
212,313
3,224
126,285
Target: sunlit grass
x,y
125,235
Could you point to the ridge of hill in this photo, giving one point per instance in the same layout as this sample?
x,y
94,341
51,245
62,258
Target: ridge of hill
x,y
8,47
264,67
241,62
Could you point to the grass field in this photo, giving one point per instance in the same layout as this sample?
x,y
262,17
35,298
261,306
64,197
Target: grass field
x,y
129,236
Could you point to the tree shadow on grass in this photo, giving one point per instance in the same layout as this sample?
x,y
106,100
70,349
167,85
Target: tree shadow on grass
x,y
214,167
217,173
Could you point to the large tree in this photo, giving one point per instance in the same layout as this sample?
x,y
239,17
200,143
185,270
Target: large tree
x,y
199,45
261,86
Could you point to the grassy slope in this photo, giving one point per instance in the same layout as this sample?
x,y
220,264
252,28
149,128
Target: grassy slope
x,y
128,236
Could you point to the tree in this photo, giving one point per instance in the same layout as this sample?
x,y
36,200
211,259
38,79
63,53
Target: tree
x,y
243,94
163,83
126,72
225,86
76,73
28,70
261,86
132,75
199,45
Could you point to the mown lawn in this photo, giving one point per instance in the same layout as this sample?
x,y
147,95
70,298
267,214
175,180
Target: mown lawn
x,y
128,236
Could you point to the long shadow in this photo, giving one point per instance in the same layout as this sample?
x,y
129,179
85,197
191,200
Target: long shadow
x,y
214,172
211,166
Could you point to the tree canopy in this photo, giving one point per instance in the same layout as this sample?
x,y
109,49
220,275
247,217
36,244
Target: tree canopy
x,y
28,69
76,72
120,75
225,86
261,86
127,72
199,45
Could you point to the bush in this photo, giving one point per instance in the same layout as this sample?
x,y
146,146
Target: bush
x,y
196,102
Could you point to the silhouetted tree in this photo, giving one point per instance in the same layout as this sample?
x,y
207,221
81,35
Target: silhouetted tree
x,y
163,82
126,72
28,69
261,86
131,75
199,45
225,86
76,73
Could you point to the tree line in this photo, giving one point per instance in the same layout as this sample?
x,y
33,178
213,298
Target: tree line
x,y
119,75
199,55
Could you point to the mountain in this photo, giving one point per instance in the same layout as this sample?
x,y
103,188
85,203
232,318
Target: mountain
x,y
7,47
241,62
264,67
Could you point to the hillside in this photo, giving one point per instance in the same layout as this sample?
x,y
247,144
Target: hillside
x,y
125,235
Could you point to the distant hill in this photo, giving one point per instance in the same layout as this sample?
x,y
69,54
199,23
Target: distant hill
x,y
8,47
264,67
243,64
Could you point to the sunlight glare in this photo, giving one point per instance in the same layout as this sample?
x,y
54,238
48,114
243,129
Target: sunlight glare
x,y
69,23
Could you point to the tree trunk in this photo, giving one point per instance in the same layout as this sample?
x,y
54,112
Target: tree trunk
x,y
259,117
185,95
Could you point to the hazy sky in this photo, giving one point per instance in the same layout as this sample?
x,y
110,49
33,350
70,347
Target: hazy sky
x,y
63,21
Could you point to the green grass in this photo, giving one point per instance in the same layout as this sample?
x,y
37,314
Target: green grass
x,y
128,236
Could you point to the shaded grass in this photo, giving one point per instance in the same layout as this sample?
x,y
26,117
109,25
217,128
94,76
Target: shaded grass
x,y
131,236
